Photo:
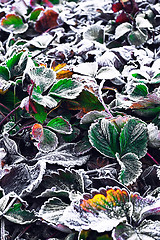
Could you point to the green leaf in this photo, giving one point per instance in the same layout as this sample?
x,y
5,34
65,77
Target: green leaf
x,y
48,142
122,29
45,100
103,136
155,79
133,138
60,125
94,33
41,114
131,168
13,23
52,210
42,77
35,13
86,101
139,90
147,230
19,216
4,73
138,37
12,64
66,88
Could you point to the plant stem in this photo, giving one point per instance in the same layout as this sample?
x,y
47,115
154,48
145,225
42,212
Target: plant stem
x,y
2,228
101,98
4,119
5,107
152,158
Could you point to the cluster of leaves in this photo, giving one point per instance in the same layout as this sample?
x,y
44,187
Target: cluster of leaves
x,y
79,120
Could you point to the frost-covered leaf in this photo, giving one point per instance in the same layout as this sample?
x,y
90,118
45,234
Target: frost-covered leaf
x,y
23,179
133,138
41,41
42,77
155,79
87,68
147,230
153,136
16,64
52,210
4,73
138,37
61,183
143,22
103,136
19,216
122,29
11,128
64,156
13,23
44,100
11,149
66,88
40,115
82,147
92,116
48,141
94,33
35,13
139,205
107,73
131,168
86,101
102,212
151,210
46,20
139,90
60,125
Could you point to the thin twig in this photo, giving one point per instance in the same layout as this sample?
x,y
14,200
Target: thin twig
x,y
4,119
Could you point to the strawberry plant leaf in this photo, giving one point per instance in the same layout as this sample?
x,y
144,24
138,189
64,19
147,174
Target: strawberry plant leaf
x,y
102,212
83,146
13,64
4,73
139,90
60,125
107,73
138,37
103,136
133,138
146,230
23,179
13,23
35,13
122,29
52,210
41,114
86,101
87,68
42,77
46,20
92,116
66,88
48,141
16,215
64,156
131,168
94,33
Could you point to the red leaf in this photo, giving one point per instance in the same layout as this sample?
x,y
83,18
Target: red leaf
x,y
46,3
122,18
46,21
116,7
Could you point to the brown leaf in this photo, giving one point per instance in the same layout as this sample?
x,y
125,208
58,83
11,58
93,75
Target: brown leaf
x,y
47,20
